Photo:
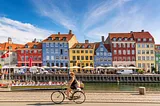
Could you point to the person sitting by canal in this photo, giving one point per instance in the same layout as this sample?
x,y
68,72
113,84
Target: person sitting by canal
x,y
72,84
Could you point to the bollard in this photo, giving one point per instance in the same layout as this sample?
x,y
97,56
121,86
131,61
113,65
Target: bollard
x,y
142,90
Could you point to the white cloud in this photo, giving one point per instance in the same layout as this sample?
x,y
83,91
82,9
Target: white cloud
x,y
20,32
64,16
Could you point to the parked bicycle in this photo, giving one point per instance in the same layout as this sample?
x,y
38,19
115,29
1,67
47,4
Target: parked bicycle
x,y
77,95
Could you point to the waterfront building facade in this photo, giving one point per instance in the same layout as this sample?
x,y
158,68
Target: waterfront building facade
x,y
55,49
157,56
9,46
103,54
30,54
123,49
82,55
145,46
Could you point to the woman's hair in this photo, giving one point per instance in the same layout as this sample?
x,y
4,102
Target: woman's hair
x,y
72,73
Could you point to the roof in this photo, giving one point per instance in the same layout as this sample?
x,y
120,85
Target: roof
x,y
83,46
31,45
118,35
5,46
107,46
60,36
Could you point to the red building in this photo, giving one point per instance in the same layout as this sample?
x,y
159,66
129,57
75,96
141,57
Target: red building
x,y
30,54
123,49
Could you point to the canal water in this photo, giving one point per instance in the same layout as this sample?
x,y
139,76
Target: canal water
x,y
121,86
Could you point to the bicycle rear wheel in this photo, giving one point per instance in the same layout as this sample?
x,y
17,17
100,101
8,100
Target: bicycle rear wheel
x,y
79,97
57,97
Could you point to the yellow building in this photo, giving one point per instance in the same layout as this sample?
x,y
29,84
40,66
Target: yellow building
x,y
145,56
82,55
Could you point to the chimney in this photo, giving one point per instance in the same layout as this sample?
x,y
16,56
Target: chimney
x,y
9,40
70,31
131,31
86,41
58,33
142,30
34,40
102,39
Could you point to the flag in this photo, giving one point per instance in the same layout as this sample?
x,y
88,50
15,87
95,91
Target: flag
x,y
5,55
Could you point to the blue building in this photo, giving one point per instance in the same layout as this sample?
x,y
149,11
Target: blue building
x,y
55,49
103,54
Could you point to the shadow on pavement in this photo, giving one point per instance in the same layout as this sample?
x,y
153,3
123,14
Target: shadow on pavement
x,y
44,104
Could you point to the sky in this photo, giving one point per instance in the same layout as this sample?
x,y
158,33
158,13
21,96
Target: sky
x,y
24,20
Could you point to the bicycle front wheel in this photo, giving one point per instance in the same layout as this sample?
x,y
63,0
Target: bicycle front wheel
x,y
57,97
79,97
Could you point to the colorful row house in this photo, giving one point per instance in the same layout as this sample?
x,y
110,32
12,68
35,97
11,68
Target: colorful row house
x,y
157,56
55,50
30,54
103,54
123,49
82,55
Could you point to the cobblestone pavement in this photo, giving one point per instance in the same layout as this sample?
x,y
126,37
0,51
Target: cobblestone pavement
x,y
44,96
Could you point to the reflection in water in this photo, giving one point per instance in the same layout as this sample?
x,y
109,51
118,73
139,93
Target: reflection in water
x,y
122,86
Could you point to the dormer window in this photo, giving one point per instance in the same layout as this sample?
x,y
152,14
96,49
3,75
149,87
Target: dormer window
x,y
131,39
150,39
10,47
82,46
89,46
26,46
77,46
57,38
125,39
64,38
120,39
139,39
50,38
114,39
144,39
35,46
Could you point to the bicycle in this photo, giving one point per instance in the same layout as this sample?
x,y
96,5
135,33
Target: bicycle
x,y
78,96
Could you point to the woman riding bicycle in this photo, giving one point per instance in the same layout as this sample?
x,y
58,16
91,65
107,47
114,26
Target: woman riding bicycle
x,y
72,84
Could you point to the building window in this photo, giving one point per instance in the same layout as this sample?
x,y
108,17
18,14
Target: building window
x,y
133,59
131,39
152,52
115,58
133,45
115,51
128,45
124,58
97,54
39,51
147,45
57,57
56,44
82,51
65,44
152,57
56,51
22,51
124,45
143,45
74,57
139,45
125,39
128,52
101,53
119,58
86,57
47,57
143,57
86,51
82,57
129,58
47,44
91,58
73,51
26,51
133,52
65,51
109,54
139,39
101,59
143,51
114,39
35,51
139,65
90,51
119,45
124,52
139,57
144,40
51,45
22,58
47,50
78,57
105,54
114,45
151,45
120,39
101,49
147,58
119,52
52,57
77,51
150,39
35,58
139,51
52,50
147,51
